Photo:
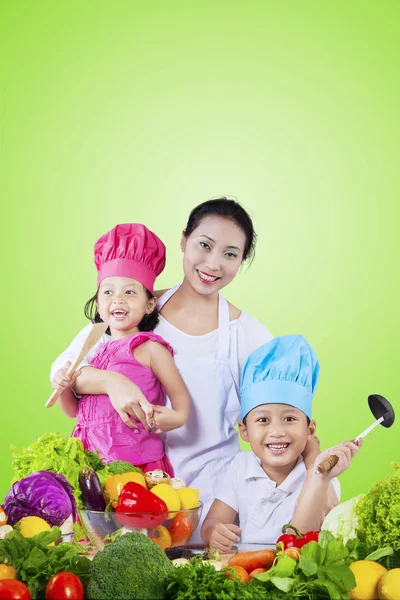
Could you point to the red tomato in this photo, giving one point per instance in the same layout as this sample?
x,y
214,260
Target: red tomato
x,y
180,529
11,589
64,586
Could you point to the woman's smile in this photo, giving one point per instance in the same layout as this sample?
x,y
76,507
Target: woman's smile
x,y
206,278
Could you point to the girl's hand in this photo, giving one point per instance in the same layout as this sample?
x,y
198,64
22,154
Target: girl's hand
x,y
223,536
311,451
129,401
345,452
61,380
166,419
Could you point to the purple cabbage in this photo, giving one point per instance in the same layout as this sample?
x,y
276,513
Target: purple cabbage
x,y
42,494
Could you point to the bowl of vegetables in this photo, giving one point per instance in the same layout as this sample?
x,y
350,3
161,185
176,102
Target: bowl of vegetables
x,y
165,528
164,509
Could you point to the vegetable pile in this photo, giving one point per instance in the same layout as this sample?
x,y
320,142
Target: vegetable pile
x,y
65,456
36,561
373,519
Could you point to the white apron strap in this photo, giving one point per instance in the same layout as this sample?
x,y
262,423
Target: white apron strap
x,y
167,295
223,329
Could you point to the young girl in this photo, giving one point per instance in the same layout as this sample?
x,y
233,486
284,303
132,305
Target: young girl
x,y
128,259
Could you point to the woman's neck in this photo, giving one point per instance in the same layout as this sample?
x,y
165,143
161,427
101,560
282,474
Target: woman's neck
x,y
186,297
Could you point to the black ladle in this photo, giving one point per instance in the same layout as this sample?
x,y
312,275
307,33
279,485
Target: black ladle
x,y
384,415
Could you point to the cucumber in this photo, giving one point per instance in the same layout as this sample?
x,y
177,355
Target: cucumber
x,y
92,493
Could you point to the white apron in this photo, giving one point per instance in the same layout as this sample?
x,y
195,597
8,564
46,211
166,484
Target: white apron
x,y
201,450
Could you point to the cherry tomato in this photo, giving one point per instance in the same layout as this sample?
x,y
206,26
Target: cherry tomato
x,y
240,572
293,552
64,586
11,589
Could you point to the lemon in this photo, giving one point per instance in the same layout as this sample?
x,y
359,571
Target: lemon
x,y
389,585
367,574
169,495
189,497
31,526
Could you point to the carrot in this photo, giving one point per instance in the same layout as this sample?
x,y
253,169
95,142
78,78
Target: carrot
x,y
260,559
256,572
240,572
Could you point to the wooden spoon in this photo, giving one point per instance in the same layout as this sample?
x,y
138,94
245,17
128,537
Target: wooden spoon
x,y
95,334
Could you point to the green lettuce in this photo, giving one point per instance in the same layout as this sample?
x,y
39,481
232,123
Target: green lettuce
x,y
379,513
66,456
342,520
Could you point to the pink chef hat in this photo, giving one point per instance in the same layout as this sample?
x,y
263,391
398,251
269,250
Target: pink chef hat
x,y
130,250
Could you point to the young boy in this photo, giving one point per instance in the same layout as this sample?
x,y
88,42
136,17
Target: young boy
x,y
270,486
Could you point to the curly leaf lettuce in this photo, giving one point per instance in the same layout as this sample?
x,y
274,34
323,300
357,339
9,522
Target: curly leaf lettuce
x,y
379,513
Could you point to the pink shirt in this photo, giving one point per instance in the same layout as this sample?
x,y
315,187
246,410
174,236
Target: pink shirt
x,y
100,427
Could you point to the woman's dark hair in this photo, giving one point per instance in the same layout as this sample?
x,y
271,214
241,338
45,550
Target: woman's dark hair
x,y
228,209
148,322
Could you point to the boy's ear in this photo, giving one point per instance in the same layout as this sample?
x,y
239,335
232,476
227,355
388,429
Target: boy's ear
x,y
243,432
312,428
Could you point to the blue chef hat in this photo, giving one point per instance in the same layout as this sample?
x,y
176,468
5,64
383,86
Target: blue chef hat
x,y
283,371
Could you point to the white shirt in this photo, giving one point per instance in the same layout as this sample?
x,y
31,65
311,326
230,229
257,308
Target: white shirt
x,y
263,508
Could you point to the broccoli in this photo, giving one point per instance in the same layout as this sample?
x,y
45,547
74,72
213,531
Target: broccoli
x,y
117,467
131,568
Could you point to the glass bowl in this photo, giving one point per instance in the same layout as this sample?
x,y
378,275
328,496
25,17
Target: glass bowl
x,y
176,529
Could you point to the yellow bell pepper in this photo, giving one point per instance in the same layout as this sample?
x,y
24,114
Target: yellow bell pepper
x,y
115,483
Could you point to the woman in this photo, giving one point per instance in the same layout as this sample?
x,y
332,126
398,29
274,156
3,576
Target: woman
x,y
211,339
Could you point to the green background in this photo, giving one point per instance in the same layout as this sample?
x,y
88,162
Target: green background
x,y
135,111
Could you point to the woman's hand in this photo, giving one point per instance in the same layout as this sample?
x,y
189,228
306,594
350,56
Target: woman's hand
x,y
166,419
223,536
129,401
61,380
345,452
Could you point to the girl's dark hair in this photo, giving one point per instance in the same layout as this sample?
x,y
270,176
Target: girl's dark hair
x,y
228,209
148,322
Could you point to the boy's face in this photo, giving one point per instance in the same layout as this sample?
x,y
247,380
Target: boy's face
x,y
277,433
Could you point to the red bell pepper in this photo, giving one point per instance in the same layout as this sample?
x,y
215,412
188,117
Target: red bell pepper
x,y
141,507
297,539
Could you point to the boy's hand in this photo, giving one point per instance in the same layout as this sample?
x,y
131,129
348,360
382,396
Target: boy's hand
x,y
223,536
345,452
61,380
311,451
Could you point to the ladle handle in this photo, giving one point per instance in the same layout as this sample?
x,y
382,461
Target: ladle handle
x,y
328,464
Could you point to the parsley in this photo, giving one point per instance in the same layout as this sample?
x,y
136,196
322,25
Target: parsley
x,y
200,581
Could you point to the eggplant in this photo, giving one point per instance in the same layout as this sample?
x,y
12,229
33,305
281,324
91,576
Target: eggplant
x,y
186,551
92,493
